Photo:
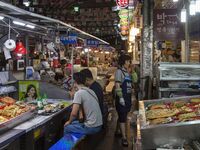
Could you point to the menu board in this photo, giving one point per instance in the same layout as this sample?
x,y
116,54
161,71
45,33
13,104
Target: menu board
x,y
167,25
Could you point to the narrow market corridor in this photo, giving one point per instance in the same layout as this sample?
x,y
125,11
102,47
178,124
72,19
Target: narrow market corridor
x,y
110,142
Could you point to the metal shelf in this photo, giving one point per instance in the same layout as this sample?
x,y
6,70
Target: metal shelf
x,y
8,92
9,82
179,79
178,89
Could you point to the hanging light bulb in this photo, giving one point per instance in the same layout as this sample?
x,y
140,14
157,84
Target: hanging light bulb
x,y
192,8
183,15
20,49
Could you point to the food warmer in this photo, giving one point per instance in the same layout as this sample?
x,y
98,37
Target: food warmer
x,y
169,134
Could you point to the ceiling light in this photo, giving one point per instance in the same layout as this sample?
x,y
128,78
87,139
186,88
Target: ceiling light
x,y
183,15
175,1
30,26
130,7
27,4
86,50
107,52
1,17
19,55
192,8
19,23
78,47
76,8
197,5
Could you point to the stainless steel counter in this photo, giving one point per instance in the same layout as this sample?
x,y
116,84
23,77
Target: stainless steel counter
x,y
15,133
174,134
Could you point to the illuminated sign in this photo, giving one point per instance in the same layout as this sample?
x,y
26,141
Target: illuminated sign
x,y
122,3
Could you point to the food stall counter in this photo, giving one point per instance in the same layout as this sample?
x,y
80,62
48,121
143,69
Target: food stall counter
x,y
169,122
46,128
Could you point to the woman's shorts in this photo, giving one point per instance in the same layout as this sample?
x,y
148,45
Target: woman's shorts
x,y
122,116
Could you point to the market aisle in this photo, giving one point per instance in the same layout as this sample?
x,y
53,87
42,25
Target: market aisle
x,y
110,142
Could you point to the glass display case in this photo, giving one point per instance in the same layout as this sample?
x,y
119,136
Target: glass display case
x,y
178,79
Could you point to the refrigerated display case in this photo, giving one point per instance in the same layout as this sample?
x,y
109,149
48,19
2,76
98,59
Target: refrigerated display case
x,y
171,134
178,79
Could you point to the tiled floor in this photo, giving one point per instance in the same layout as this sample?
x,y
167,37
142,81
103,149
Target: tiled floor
x,y
110,142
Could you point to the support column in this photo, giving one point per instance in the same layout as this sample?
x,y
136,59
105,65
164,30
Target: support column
x,y
147,50
187,40
26,61
27,48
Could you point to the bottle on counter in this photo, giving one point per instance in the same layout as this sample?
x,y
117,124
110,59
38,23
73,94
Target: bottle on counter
x,y
44,100
39,103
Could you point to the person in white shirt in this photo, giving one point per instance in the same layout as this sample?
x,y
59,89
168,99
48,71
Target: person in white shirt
x,y
84,99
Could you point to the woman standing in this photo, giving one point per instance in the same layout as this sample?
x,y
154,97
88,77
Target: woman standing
x,y
123,90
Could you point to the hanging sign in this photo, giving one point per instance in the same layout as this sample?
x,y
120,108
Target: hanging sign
x,y
167,25
123,22
71,39
123,13
92,42
122,3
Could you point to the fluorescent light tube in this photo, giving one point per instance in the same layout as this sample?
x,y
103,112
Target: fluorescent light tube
x,y
175,0
30,26
183,15
197,5
1,17
19,23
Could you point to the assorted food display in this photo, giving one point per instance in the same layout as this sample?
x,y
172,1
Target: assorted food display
x,y
48,109
9,108
173,112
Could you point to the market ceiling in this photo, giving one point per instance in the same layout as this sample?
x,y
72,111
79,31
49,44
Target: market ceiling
x,y
95,16
13,13
167,4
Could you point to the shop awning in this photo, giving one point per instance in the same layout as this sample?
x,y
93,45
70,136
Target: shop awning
x,y
36,23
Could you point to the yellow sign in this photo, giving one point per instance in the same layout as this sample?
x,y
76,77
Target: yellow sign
x,y
37,133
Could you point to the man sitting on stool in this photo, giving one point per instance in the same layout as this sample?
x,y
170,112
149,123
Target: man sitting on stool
x,y
87,100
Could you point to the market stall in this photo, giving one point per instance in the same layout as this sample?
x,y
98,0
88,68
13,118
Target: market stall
x,y
34,120
44,129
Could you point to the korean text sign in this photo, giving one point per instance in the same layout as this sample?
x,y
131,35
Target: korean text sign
x,y
167,25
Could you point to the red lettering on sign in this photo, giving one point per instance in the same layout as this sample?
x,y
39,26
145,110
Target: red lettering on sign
x,y
122,3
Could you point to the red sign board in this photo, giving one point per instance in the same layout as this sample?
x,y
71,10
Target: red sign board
x,y
122,3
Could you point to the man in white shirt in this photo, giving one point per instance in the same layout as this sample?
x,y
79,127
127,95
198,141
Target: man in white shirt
x,y
87,100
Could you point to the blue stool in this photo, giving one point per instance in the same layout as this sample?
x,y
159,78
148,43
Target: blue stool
x,y
67,142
